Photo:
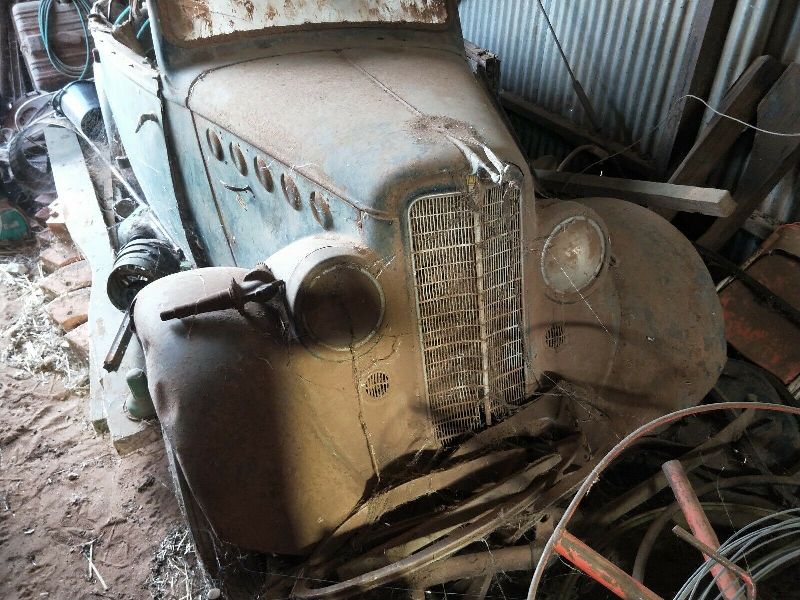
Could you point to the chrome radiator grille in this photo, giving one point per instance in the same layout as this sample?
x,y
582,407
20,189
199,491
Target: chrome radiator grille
x,y
468,281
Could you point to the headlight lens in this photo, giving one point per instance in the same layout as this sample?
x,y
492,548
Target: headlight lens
x,y
340,305
573,255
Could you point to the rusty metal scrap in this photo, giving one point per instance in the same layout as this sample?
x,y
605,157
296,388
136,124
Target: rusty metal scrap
x,y
607,574
194,20
765,327
698,522
722,562
615,452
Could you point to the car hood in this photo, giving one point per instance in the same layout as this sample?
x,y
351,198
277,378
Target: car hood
x,y
367,124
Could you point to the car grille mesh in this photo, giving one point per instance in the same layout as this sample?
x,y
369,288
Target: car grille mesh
x,y
468,282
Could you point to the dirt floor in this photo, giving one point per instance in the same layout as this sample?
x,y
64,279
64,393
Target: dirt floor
x,y
64,490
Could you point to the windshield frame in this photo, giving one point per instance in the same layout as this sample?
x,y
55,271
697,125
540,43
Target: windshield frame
x,y
169,35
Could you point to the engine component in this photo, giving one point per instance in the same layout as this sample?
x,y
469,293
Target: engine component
x,y
138,263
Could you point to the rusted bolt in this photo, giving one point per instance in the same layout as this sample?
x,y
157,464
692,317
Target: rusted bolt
x,y
263,173
214,144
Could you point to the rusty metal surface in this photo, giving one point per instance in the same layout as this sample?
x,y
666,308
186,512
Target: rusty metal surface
x,y
367,125
603,571
468,283
641,346
192,20
243,415
698,523
133,89
757,330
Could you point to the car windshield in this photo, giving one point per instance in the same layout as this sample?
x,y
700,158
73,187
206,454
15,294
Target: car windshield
x,y
190,20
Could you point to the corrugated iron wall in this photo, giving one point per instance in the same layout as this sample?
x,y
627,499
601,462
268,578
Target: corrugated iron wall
x,y
631,57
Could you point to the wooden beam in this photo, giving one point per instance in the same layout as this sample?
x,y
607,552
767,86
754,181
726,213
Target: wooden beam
x,y
720,133
770,159
571,132
684,198
485,65
85,223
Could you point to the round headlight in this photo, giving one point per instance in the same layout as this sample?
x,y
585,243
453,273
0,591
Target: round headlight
x,y
573,255
340,305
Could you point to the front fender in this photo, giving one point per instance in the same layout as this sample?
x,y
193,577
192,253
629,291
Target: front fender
x,y
275,461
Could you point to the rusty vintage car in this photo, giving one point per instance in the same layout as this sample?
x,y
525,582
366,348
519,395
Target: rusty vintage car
x,y
373,304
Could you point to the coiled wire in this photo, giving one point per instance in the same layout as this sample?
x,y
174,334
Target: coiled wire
x,y
748,547
82,7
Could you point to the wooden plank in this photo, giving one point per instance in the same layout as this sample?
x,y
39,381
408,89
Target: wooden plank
x,y
485,65
571,132
83,219
108,391
718,136
685,198
770,158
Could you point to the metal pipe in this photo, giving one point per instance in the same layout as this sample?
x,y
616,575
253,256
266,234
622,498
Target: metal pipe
x,y
641,493
698,523
649,539
603,571
750,585
618,449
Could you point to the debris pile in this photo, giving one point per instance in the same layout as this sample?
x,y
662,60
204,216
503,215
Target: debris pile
x,y
34,342
174,573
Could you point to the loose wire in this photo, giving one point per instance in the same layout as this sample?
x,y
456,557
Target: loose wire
x,y
612,455
732,118
83,8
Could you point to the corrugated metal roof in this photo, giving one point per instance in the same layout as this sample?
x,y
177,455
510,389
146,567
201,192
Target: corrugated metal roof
x,y
627,54
630,57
